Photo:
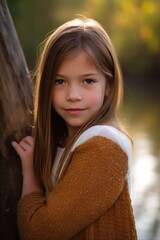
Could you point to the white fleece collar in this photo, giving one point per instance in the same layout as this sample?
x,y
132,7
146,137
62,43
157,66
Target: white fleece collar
x,y
111,133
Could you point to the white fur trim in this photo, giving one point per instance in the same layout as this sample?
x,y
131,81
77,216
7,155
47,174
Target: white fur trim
x,y
110,133
105,131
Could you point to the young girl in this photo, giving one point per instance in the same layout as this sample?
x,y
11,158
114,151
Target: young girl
x,y
75,171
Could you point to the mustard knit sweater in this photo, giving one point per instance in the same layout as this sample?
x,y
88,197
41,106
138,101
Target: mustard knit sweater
x,y
92,201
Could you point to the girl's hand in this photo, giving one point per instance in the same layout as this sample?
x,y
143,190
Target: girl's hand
x,y
25,149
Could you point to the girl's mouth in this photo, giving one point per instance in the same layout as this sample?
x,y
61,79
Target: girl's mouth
x,y
75,111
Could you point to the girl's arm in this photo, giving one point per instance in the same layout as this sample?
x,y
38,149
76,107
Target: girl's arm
x,y
94,179
25,151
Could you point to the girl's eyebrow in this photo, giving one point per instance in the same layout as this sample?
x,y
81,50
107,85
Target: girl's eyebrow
x,y
89,74
83,75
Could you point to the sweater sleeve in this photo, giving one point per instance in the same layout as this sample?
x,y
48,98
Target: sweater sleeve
x,y
92,183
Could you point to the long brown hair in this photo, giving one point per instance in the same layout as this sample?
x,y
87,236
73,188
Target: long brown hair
x,y
78,34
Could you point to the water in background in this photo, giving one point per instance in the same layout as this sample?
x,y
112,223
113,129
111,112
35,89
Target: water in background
x,y
145,188
143,121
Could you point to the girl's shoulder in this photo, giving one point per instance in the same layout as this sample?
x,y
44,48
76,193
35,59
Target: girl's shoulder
x,y
108,132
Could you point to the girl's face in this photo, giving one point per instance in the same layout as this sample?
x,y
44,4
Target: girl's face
x,y
79,90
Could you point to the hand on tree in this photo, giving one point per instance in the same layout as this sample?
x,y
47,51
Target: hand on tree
x,y
25,150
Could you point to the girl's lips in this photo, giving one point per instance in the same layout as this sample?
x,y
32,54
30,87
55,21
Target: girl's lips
x,y
74,110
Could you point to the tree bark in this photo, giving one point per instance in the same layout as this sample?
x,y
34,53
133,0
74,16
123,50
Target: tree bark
x,y
16,104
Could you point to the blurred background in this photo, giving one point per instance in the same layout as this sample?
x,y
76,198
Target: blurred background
x,y
134,27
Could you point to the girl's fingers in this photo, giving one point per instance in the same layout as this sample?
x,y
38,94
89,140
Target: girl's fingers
x,y
24,145
25,148
18,148
29,140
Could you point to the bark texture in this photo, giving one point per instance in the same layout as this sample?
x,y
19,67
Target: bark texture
x,y
16,104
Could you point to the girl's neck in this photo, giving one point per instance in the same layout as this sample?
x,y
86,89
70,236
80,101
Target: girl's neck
x,y
67,136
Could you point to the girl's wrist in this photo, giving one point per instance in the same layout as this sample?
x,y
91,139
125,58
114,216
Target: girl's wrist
x,y
28,173
29,183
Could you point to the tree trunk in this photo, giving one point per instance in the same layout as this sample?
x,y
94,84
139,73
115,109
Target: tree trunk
x,y
16,104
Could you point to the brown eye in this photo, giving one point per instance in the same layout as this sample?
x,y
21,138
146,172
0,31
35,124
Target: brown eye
x,y
89,81
59,81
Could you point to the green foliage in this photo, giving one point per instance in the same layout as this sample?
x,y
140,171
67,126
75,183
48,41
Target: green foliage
x,y
133,26
134,29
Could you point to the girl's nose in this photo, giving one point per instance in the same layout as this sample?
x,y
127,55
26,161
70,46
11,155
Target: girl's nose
x,y
73,94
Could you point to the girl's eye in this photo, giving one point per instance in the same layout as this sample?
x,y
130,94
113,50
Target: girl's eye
x,y
89,81
59,81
